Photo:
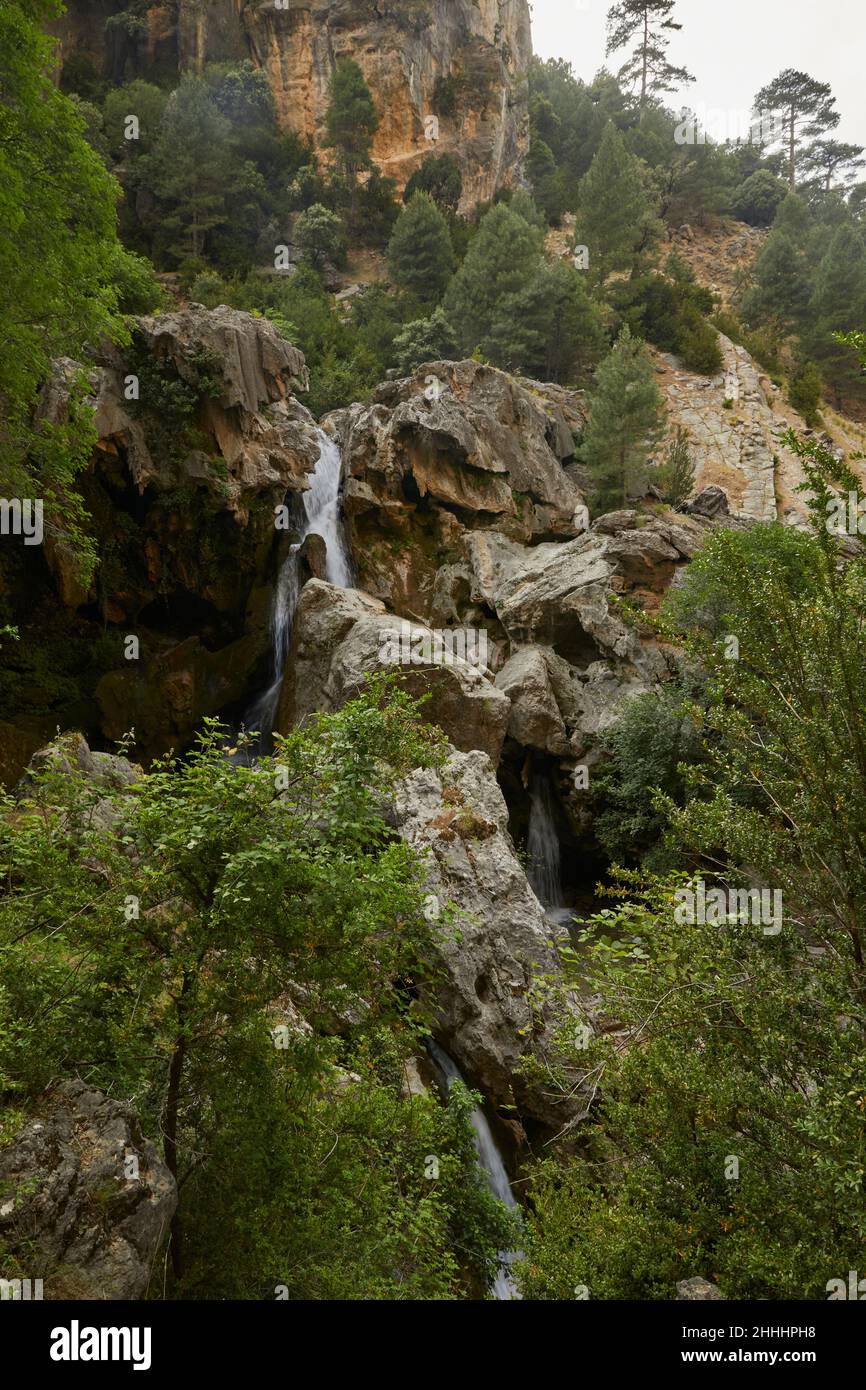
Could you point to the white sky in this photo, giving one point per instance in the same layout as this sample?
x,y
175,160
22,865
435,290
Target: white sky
x,y
732,47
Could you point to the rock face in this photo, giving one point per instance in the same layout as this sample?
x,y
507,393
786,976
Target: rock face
x,y
461,61
733,429
456,448
200,439
342,635
500,941
69,1212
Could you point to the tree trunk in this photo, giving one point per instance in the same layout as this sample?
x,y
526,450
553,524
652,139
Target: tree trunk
x,y
644,67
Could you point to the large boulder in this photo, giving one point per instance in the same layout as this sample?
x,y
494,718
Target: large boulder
x,y
459,446
498,945
85,1199
340,636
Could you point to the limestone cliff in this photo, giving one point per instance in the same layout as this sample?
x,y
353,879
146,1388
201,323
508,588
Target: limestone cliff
x,y
463,61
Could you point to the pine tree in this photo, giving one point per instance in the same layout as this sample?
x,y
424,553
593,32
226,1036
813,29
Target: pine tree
x,y
419,255
424,340
783,283
503,259
828,158
625,423
650,22
616,216
351,120
838,305
189,169
804,108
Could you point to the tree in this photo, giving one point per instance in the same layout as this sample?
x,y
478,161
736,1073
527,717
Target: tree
x,y
615,215
439,176
804,109
804,391
142,100
550,329
59,256
419,255
744,1154
827,158
838,306
783,283
650,22
758,198
503,258
351,119
675,477
189,169
424,340
625,423
158,927
320,234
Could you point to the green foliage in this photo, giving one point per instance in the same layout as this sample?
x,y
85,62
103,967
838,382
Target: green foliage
x,y
60,264
653,737
649,22
248,882
675,477
420,256
669,313
804,391
625,423
758,198
424,340
616,214
351,120
804,108
440,177
320,234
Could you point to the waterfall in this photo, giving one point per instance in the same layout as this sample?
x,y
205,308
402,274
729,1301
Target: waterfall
x,y
321,503
542,845
490,1161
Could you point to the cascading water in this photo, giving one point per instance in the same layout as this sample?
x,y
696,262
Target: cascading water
x,y
490,1161
542,845
321,503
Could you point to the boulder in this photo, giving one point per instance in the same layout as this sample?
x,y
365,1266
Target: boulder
x,y
70,1212
340,636
698,1290
499,942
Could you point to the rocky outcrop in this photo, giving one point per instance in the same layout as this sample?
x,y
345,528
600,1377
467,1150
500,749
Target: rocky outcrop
x,y
733,425
458,447
341,636
463,62
200,439
497,945
85,1200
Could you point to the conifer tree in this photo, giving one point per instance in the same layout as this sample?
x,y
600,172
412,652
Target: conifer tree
x,y
625,423
420,256
503,258
829,159
650,22
838,305
351,121
804,109
616,216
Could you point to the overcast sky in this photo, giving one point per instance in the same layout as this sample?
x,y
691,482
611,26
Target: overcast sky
x,y
732,47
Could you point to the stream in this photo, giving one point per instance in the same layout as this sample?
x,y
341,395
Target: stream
x,y
490,1162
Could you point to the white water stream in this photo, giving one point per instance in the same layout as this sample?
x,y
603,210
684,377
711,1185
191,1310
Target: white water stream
x,y
490,1161
321,503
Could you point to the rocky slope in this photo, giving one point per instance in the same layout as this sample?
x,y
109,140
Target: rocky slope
x,y
413,54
